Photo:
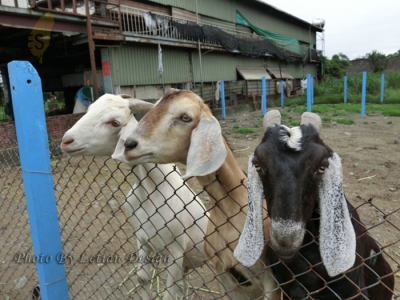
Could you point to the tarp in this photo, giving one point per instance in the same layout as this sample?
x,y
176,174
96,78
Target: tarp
x,y
282,41
280,73
253,73
245,46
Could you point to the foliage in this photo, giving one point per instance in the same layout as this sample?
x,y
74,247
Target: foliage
x,y
245,130
330,90
336,66
1,95
345,121
396,54
377,61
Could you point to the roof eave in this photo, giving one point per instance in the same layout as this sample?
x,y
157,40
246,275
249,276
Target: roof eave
x,y
316,28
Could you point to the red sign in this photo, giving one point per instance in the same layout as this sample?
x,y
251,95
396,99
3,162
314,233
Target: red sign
x,y
106,68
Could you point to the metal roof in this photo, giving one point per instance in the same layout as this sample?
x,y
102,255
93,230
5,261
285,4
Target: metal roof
x,y
277,73
253,73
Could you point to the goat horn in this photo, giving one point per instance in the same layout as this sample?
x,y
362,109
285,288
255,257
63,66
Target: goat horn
x,y
125,96
272,117
311,118
137,106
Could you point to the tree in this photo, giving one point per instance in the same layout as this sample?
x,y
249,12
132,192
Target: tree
x,y
343,56
396,54
337,66
377,61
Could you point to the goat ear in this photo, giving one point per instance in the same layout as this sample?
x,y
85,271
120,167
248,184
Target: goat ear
x,y
119,151
251,242
139,106
207,150
337,236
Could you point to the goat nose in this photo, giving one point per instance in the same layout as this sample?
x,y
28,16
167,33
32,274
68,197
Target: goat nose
x,y
130,145
66,141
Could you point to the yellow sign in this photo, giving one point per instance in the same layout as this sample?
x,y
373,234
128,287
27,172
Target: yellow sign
x,y
39,39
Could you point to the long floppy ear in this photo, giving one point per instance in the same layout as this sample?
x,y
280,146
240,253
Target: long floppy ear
x,y
120,147
251,242
139,106
207,150
337,237
119,151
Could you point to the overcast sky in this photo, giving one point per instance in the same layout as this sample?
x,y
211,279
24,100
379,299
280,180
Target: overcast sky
x,y
353,27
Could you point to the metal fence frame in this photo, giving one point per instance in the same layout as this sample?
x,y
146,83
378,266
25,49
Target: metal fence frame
x,y
78,201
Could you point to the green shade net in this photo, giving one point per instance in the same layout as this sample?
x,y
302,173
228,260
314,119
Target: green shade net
x,y
286,43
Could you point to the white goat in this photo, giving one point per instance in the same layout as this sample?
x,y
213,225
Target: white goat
x,y
168,218
181,128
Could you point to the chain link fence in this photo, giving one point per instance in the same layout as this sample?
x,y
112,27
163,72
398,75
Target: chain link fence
x,y
100,246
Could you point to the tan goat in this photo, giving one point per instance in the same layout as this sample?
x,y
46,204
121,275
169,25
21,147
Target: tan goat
x,y
181,128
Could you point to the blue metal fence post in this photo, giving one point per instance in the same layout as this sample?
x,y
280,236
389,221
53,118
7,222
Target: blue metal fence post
x,y
222,86
26,91
345,89
363,93
264,95
312,90
308,92
282,94
382,86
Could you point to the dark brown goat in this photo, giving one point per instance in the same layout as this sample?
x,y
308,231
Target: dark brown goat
x,y
319,248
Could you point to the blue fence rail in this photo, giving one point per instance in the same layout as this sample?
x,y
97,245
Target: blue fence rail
x,y
36,172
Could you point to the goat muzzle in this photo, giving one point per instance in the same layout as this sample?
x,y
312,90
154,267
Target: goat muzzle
x,y
130,145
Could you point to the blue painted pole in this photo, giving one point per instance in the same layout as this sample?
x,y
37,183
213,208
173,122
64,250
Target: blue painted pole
x,y
312,90
282,94
26,91
308,92
345,89
363,93
222,87
382,86
264,95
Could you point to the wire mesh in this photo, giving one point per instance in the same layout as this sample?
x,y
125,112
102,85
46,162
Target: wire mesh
x,y
17,269
104,251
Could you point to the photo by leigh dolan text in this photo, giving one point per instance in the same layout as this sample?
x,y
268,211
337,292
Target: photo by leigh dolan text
x,y
85,258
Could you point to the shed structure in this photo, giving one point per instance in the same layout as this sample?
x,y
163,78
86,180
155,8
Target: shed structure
x,y
145,47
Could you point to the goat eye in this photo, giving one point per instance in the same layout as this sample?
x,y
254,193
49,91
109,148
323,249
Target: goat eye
x,y
115,123
185,118
257,166
321,170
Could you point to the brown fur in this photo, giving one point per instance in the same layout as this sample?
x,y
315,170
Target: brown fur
x,y
226,187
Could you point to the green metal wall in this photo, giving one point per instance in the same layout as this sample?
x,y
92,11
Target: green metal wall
x,y
221,66
137,64
298,71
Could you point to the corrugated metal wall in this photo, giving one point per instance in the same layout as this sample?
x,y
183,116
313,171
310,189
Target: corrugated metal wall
x,y
137,64
298,71
221,66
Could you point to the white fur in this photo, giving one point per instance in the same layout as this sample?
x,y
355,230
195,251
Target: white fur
x,y
337,236
169,219
291,137
251,242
